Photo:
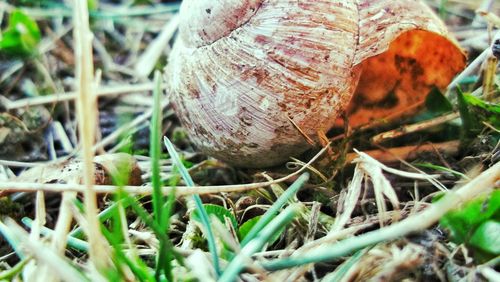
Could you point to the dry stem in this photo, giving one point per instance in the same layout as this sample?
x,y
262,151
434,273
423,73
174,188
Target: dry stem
x,y
407,129
146,190
408,152
69,96
87,114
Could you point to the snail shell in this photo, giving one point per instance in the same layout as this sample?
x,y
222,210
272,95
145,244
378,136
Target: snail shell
x,y
248,78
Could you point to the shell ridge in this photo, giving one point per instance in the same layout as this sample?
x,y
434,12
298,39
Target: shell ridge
x,y
242,25
358,33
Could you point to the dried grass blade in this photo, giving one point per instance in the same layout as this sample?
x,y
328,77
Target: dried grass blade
x,y
349,203
487,180
87,114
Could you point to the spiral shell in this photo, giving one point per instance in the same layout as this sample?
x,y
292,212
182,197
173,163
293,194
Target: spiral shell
x,y
250,78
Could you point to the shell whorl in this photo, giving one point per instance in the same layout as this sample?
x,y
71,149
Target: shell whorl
x,y
248,89
204,22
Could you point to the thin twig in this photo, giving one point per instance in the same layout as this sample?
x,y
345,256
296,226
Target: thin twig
x,y
306,137
146,190
391,117
408,152
69,96
135,190
411,128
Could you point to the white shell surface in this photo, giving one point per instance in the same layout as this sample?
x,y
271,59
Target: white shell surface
x,y
206,21
289,60
247,75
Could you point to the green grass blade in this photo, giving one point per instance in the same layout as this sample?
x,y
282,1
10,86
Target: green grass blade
x,y
73,242
344,268
103,216
160,234
197,200
155,149
166,256
442,168
134,204
150,222
138,267
274,209
238,263
9,274
443,9
330,252
162,263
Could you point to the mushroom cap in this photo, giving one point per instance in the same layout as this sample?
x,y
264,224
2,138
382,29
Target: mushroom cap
x,y
249,79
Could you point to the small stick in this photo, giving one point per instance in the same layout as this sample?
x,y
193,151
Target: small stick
x,y
146,190
62,137
69,96
136,190
20,164
109,11
390,117
3,173
408,152
478,41
413,128
306,137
